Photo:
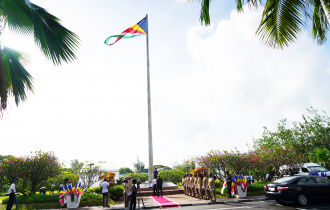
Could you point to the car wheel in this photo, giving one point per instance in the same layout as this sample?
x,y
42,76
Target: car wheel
x,y
302,199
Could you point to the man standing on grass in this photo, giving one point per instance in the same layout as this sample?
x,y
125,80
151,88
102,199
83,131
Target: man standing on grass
x,y
105,192
12,195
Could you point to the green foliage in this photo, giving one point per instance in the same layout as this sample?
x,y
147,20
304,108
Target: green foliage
x,y
282,21
308,138
94,190
5,157
218,183
32,172
185,167
165,168
138,165
173,175
59,179
55,41
321,156
90,174
125,170
142,176
35,198
76,166
116,192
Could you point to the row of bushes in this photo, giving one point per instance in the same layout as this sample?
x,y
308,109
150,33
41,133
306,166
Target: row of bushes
x,y
115,192
43,198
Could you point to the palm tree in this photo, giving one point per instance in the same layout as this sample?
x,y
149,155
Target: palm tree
x,y
283,20
55,41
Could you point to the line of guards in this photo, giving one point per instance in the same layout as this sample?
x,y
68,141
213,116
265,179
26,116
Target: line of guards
x,y
199,186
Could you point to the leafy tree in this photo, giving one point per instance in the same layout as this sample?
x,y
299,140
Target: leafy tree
x,y
110,176
55,41
76,166
31,171
138,166
321,156
4,157
142,176
64,174
282,21
185,166
125,170
306,137
90,174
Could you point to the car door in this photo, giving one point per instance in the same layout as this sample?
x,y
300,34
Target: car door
x,y
309,186
324,187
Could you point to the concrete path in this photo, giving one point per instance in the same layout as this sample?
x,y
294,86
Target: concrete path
x,y
182,199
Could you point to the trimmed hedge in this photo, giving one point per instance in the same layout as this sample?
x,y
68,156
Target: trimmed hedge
x,y
35,198
115,192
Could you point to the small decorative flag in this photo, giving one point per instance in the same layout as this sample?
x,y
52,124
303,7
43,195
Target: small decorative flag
x,y
137,30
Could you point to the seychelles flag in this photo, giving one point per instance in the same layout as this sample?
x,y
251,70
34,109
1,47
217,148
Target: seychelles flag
x,y
62,196
224,187
137,30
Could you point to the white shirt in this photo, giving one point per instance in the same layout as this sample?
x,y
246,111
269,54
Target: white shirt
x,y
104,186
154,181
12,186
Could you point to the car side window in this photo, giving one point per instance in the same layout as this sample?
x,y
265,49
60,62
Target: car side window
x,y
304,169
307,180
321,180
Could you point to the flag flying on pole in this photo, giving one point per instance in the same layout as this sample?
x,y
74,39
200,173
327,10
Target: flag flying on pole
x,y
137,30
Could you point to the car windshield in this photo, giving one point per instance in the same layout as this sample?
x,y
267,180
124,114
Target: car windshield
x,y
285,180
317,168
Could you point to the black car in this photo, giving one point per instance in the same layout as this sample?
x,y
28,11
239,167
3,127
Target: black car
x,y
300,189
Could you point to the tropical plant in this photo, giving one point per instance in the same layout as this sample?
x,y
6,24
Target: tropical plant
x,y
90,174
142,176
31,171
125,170
283,20
55,41
138,165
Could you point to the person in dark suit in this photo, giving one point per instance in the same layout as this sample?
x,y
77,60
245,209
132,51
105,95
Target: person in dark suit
x,y
159,186
228,181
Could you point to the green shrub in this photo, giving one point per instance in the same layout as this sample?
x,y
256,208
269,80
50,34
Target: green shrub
x,y
95,190
35,198
218,183
116,192
171,175
142,176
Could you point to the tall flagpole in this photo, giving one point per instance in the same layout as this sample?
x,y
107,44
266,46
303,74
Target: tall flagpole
x,y
151,164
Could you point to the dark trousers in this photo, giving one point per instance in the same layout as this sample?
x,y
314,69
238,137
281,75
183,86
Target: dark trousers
x,y
154,190
10,201
159,188
229,189
105,196
133,202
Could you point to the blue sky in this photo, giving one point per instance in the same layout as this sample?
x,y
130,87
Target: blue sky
x,y
212,87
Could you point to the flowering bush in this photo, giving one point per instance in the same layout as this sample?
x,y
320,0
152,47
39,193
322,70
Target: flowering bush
x,y
31,171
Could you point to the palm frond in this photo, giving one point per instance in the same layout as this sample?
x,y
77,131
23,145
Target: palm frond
x,y
55,41
281,22
19,80
205,12
320,24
